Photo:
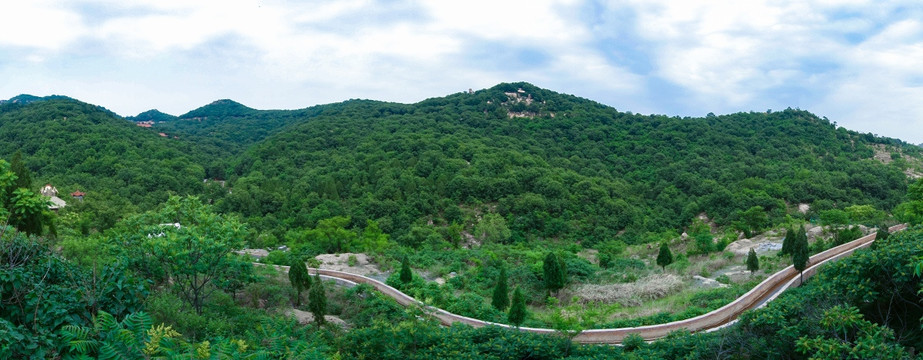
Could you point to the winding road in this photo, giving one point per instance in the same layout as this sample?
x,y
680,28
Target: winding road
x,y
757,297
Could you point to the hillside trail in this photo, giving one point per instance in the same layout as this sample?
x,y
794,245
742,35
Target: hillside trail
x,y
757,297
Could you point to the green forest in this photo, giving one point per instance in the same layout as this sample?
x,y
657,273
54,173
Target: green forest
x,y
516,197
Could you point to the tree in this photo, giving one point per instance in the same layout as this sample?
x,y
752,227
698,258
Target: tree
x,y
911,210
800,254
847,335
501,298
518,310
191,246
665,257
493,229
299,278
553,271
331,234
23,176
882,233
28,211
406,274
317,300
787,242
755,218
753,263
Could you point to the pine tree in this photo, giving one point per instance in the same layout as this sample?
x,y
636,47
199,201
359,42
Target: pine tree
x,y
317,298
23,176
882,233
554,272
406,275
665,257
753,263
800,255
501,298
517,312
299,278
787,242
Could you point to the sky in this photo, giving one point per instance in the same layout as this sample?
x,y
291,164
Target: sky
x,y
858,63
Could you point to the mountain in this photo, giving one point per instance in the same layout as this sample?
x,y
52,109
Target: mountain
x,y
152,115
78,146
219,108
548,165
554,166
26,99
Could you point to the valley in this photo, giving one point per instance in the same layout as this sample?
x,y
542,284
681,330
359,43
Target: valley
x,y
582,217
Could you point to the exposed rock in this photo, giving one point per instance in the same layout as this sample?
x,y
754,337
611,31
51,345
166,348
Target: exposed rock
x,y
255,253
305,318
704,282
340,262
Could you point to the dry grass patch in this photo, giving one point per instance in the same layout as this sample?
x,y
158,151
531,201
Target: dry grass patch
x,y
633,294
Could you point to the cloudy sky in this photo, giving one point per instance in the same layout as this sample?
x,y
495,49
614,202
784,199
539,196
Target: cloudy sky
x,y
859,63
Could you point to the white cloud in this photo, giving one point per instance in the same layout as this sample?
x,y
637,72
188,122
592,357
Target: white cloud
x,y
844,59
38,24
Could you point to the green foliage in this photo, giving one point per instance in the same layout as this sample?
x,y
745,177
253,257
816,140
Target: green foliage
x,y
77,146
492,228
501,297
800,253
518,311
753,262
911,210
755,218
834,218
664,257
42,292
576,176
849,336
846,235
299,278
111,339
317,300
555,273
23,175
633,342
190,245
882,233
787,242
406,274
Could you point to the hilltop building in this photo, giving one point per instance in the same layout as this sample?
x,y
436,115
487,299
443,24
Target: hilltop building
x,y
52,193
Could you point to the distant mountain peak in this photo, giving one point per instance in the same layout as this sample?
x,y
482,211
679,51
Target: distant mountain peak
x,y
26,99
219,108
152,115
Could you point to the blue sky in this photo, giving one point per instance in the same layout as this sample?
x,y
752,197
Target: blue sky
x,y
859,63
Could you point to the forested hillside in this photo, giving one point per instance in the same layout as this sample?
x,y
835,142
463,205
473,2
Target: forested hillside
x,y
554,166
473,196
77,146
225,128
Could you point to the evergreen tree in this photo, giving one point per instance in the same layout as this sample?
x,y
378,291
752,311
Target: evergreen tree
x,y
299,278
517,312
23,176
406,274
554,272
665,257
753,263
800,255
317,298
501,298
787,242
882,233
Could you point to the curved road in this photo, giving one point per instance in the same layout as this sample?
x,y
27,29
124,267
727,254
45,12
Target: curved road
x,y
757,297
